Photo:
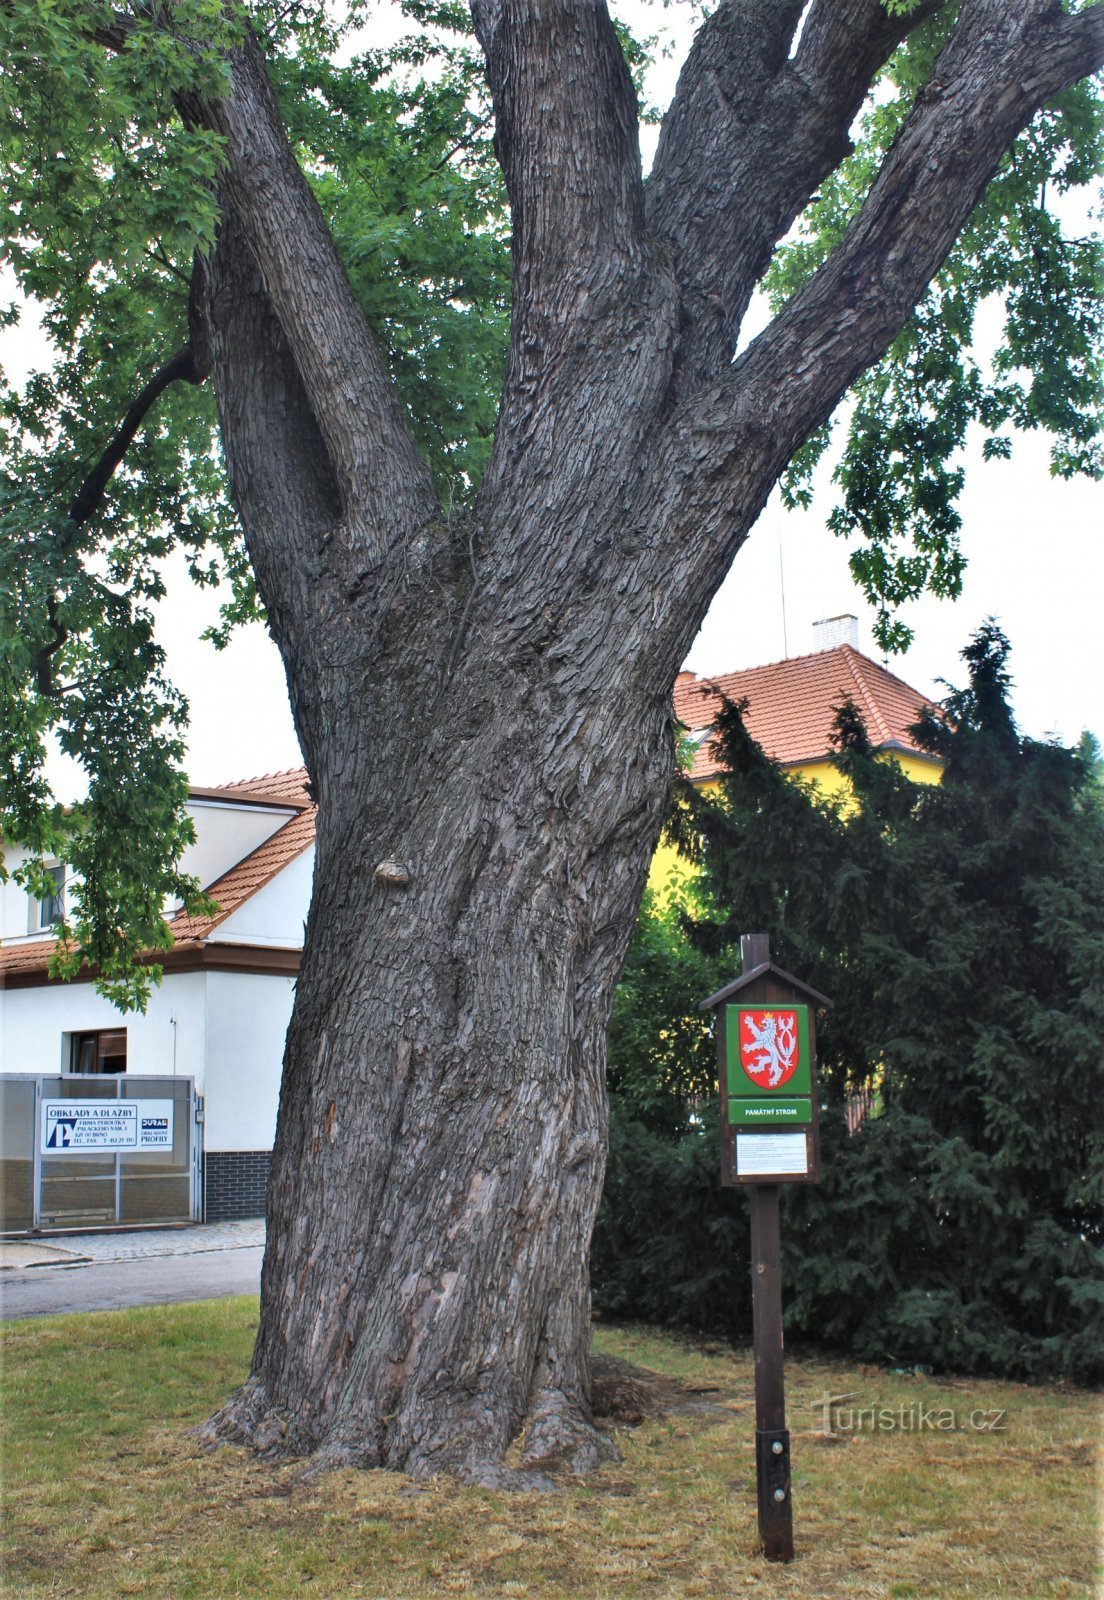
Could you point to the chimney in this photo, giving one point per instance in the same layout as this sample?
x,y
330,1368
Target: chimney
x,y
832,631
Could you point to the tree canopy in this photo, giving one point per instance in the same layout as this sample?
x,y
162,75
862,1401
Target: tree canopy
x,y
111,454
111,457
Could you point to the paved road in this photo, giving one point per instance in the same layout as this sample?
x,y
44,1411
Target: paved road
x,y
109,1285
136,1267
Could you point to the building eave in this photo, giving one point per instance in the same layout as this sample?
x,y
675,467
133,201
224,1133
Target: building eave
x,y
199,957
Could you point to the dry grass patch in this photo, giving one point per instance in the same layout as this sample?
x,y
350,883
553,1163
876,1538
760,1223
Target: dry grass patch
x,y
107,1494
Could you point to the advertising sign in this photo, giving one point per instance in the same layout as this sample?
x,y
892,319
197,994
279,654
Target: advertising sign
x,y
82,1127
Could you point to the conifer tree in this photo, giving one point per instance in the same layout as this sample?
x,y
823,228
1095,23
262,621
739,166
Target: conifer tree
x,y
958,929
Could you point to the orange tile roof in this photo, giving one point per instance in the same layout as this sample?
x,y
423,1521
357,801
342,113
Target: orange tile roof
x,y
231,890
28,957
791,705
248,875
288,788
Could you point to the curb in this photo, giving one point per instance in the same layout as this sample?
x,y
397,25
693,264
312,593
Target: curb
x,y
14,1257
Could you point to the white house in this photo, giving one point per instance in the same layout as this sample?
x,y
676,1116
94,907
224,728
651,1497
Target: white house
x,y
222,1009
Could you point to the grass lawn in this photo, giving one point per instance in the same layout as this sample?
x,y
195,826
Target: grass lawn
x,y
106,1493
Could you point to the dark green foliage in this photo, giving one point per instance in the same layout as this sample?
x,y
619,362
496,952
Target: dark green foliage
x,y
958,929
661,1055
670,1246
919,1247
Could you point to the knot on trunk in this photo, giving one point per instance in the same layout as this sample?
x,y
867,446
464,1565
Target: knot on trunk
x,y
393,872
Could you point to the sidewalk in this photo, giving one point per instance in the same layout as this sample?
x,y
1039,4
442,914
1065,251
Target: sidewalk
x,y
78,1249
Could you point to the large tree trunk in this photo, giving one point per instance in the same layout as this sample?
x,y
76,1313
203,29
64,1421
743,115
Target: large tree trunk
x,y
484,702
442,1124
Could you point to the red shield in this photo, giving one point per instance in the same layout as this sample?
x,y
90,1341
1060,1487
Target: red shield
x,y
768,1047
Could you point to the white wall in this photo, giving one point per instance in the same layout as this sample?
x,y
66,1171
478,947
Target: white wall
x,y
275,914
247,1018
225,834
16,922
13,901
228,1029
170,1037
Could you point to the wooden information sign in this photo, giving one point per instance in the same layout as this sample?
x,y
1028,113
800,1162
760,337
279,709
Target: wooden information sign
x,y
766,1062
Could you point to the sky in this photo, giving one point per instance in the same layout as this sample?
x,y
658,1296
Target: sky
x,y
1033,545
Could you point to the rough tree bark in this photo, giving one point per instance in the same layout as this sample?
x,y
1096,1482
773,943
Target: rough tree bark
x,y
483,702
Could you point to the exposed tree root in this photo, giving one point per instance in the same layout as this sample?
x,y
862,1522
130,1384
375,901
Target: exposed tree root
x,y
248,1419
562,1436
560,1439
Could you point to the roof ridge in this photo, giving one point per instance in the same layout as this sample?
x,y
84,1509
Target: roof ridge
x,y
785,661
873,709
714,682
260,777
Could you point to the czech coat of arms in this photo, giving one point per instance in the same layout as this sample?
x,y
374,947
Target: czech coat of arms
x,y
768,1047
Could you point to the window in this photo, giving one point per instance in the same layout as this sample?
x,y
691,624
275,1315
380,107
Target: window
x,y
104,1051
47,913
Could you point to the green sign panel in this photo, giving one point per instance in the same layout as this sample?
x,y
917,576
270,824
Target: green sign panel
x,y
798,1112
766,1054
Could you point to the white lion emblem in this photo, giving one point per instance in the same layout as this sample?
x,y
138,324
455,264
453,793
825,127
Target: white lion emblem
x,y
772,1047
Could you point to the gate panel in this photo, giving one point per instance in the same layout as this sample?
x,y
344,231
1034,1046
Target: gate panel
x,y
98,1151
75,1193
17,1154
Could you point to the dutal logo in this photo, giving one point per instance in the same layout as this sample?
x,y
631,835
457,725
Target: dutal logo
x,y
768,1046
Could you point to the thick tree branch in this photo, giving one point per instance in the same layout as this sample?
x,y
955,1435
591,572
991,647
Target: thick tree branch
x,y
593,315
566,137
44,661
486,16
728,446
278,464
114,30
382,480
748,138
837,30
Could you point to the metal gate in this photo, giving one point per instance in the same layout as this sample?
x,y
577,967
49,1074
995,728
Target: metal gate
x,y
86,1152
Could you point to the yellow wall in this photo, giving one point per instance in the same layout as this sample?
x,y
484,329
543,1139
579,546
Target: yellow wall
x,y
669,869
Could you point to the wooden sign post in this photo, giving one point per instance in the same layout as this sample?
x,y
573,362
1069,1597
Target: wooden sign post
x,y
766,1060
